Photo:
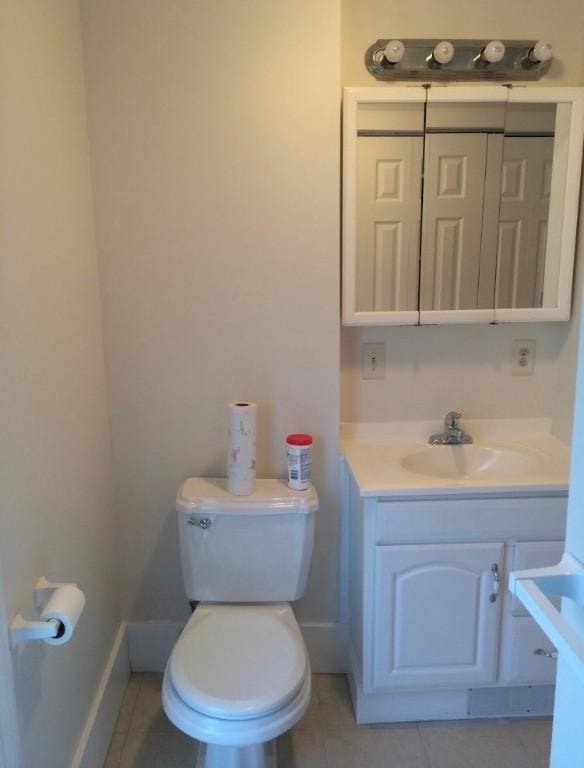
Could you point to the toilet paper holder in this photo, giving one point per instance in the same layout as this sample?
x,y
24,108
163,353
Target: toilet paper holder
x,y
22,630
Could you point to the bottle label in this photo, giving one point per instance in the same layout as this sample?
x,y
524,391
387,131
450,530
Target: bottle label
x,y
299,464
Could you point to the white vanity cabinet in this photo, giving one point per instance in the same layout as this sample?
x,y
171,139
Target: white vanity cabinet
x,y
433,632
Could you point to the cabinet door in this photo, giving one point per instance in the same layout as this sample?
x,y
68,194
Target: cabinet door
x,y
434,622
527,656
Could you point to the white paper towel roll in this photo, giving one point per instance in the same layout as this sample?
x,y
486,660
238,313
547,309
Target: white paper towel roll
x,y
241,464
65,605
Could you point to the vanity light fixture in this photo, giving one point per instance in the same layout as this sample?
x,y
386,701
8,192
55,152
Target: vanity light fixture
x,y
443,53
426,59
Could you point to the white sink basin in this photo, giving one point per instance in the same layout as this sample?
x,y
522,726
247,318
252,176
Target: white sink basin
x,y
469,462
507,456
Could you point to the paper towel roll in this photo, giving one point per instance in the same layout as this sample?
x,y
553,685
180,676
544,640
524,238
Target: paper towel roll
x,y
65,605
241,464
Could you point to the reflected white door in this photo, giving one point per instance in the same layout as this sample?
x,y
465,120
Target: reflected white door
x,y
388,222
525,197
454,188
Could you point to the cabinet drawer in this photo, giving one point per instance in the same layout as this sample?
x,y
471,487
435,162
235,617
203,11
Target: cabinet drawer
x,y
520,663
535,554
460,520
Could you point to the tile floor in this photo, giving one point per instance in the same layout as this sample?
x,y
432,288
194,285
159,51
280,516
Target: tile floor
x,y
328,737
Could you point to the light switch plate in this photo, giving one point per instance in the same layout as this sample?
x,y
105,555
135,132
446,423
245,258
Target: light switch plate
x,y
523,357
373,360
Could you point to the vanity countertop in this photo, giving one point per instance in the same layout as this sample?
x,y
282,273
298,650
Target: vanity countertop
x,y
507,457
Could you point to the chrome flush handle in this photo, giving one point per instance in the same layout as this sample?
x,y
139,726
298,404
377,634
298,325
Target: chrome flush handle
x,y
203,523
496,582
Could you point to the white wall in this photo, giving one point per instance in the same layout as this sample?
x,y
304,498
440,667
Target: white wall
x,y
57,517
432,370
215,141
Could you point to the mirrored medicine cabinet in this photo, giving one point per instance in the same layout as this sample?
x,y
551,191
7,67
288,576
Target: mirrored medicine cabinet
x,y
460,204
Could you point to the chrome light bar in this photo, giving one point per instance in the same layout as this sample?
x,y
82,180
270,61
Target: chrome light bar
x,y
459,59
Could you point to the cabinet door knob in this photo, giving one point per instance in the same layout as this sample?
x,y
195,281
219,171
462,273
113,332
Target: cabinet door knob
x,y
203,523
547,654
496,582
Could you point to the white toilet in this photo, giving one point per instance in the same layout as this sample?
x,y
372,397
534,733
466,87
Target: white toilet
x,y
239,676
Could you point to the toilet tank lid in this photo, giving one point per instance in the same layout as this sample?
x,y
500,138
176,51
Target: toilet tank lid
x,y
270,497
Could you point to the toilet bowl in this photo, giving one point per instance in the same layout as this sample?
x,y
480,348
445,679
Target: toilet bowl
x,y
239,676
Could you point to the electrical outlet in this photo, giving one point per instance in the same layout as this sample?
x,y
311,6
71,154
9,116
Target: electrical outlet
x,y
523,357
373,360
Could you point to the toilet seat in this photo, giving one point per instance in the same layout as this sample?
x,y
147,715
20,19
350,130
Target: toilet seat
x,y
238,662
235,733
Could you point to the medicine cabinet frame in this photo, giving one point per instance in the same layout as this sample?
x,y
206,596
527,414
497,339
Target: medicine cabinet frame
x,y
568,146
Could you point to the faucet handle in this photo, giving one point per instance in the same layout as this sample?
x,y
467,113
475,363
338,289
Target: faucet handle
x,y
451,420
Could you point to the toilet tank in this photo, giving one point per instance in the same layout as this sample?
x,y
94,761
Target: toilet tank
x,y
239,549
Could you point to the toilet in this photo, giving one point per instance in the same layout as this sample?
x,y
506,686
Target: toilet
x,y
239,675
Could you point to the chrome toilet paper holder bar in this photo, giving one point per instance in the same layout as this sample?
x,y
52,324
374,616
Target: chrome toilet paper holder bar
x,y
22,630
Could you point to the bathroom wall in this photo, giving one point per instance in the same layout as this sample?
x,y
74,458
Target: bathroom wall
x,y
215,147
55,496
431,370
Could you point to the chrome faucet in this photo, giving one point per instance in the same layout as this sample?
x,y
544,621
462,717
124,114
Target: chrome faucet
x,y
452,434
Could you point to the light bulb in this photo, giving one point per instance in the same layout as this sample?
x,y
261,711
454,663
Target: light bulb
x,y
493,52
443,52
541,51
394,51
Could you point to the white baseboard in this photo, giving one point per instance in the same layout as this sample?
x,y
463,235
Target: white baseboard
x,y
150,643
94,742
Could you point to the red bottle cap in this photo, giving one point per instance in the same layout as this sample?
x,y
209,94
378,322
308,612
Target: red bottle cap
x,y
299,439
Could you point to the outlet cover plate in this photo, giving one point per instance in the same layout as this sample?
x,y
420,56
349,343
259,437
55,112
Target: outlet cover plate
x,y
523,357
373,360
